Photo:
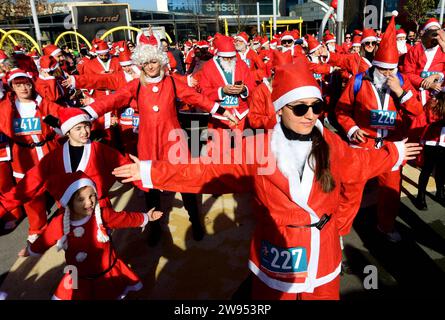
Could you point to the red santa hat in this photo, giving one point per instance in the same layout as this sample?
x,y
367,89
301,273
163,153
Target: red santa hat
x,y
368,35
3,56
281,58
264,41
101,47
357,32
19,49
17,73
188,44
202,44
51,50
225,46
293,82
125,58
432,22
328,37
387,55
243,37
210,38
400,33
142,39
286,35
118,47
34,54
48,63
312,43
295,33
70,117
357,41
62,188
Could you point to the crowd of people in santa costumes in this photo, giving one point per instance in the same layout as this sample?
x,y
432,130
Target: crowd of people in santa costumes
x,y
326,118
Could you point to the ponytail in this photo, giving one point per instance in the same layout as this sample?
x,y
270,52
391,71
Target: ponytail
x,y
320,156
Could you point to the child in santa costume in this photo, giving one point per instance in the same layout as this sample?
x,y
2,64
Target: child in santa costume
x,y
295,251
23,116
371,112
83,232
433,140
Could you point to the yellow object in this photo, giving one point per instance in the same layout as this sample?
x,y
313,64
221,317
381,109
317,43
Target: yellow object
x,y
10,38
27,36
106,34
286,23
74,33
226,27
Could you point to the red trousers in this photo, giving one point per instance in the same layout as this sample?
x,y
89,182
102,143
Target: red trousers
x,y
328,291
388,199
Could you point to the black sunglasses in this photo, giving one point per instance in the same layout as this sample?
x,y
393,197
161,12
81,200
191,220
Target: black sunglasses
x,y
370,43
301,109
287,41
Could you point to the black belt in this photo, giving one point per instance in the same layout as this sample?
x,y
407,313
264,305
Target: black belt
x,y
319,225
98,275
33,145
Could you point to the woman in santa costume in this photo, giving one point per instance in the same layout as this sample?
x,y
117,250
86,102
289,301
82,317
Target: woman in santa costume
x,y
83,232
78,153
433,140
371,112
297,172
155,95
23,120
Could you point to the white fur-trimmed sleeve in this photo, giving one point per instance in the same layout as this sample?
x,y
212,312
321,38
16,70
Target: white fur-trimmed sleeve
x,y
401,149
215,108
145,220
407,96
146,174
351,131
91,112
244,96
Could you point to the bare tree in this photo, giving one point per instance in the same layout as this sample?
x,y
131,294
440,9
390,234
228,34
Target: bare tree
x,y
418,10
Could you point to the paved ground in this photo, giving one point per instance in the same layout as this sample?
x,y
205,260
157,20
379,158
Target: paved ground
x,y
215,268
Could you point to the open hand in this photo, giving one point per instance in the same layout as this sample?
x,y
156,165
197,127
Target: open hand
x,y
154,215
131,172
412,149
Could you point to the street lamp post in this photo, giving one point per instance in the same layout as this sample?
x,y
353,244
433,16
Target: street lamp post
x,y
36,23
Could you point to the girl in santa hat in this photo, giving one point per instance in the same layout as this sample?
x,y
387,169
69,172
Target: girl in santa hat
x,y
300,173
83,232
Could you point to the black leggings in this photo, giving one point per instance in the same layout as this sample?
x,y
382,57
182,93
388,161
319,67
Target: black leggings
x,y
434,157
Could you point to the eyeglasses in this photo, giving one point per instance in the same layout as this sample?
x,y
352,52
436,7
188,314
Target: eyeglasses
x,y
348,37
370,43
301,109
287,41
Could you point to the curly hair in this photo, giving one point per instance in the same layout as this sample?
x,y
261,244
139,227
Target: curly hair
x,y
145,53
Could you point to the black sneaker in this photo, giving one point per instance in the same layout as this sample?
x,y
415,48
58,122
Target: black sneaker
x,y
154,235
197,231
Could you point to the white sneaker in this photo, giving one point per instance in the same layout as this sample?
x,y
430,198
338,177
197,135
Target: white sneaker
x,y
393,236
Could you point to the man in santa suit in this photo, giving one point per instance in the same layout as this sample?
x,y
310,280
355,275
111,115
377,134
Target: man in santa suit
x,y
425,62
189,54
265,54
49,83
372,116
25,62
402,47
156,95
78,153
228,80
83,58
56,53
295,249
23,120
330,41
250,57
104,63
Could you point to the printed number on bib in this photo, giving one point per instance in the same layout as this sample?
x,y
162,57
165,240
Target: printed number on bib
x,y
230,102
135,121
426,74
383,119
127,115
27,126
284,262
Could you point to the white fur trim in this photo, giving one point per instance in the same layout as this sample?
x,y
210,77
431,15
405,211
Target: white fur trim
x,y
385,65
33,237
401,35
351,131
73,187
329,41
241,38
126,63
315,49
144,223
102,51
287,37
146,174
215,108
395,13
226,54
57,51
101,235
91,112
296,94
81,256
367,39
71,122
401,149
18,175
18,75
431,24
407,96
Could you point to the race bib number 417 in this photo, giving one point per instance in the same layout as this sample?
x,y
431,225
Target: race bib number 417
x,y
27,126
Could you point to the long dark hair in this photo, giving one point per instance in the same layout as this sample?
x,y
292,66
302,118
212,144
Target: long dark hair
x,y
321,155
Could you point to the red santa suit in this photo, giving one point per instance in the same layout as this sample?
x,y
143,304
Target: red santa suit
x,y
81,64
421,63
261,111
255,64
26,63
31,140
101,274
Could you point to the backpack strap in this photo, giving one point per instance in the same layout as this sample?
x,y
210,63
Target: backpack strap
x,y
358,83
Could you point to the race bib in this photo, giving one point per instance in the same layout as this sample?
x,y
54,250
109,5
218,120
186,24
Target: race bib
x,y
383,119
317,76
127,115
27,126
284,262
426,74
135,120
230,102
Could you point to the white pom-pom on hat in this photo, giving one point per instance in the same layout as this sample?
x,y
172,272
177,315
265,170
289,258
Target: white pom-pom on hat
x,y
395,13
